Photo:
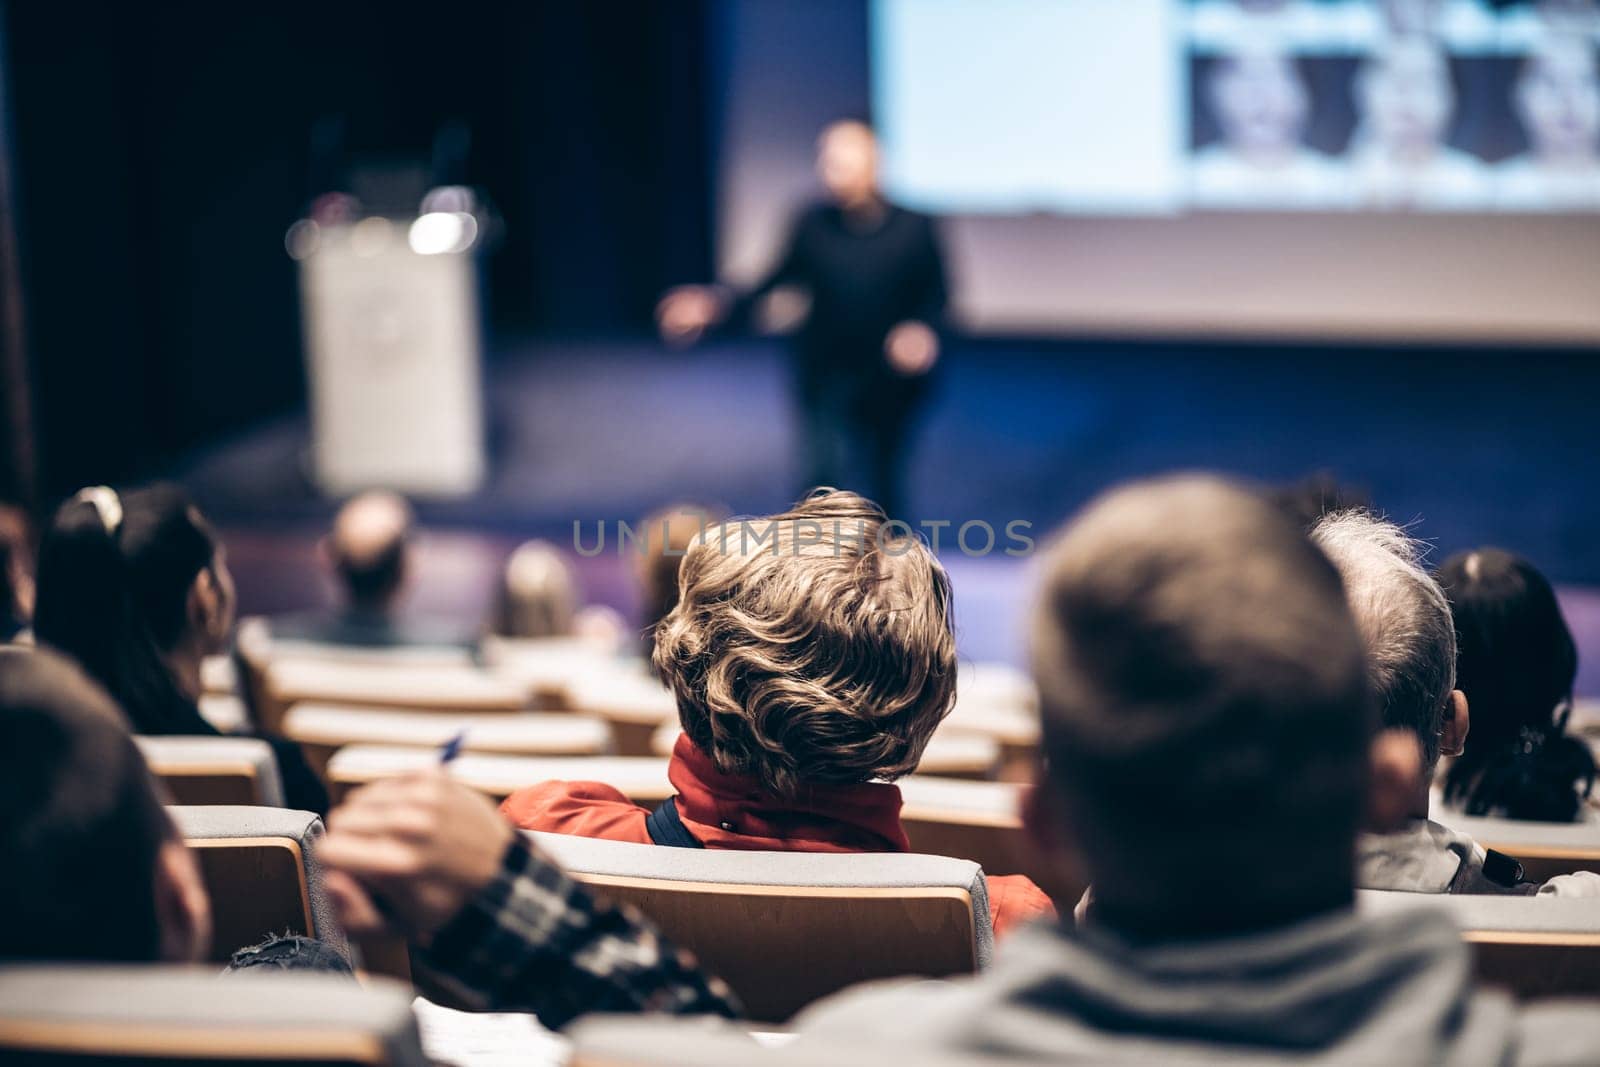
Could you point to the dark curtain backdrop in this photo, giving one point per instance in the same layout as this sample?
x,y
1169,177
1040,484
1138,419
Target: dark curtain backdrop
x,y
160,151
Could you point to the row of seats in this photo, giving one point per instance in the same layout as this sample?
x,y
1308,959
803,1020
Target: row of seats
x,y
995,707
888,913
974,820
238,770
883,915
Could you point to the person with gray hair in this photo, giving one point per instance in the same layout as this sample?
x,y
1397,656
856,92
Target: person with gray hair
x,y
1410,638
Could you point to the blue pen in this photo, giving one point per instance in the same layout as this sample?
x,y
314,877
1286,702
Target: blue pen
x,y
452,748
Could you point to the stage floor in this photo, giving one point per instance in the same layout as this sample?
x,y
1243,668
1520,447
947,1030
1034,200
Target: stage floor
x,y
1475,448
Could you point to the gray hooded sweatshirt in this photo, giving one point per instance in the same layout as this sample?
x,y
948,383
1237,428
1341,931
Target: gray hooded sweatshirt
x,y
1340,989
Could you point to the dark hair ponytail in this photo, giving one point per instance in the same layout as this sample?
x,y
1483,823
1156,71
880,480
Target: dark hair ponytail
x,y
1516,665
113,587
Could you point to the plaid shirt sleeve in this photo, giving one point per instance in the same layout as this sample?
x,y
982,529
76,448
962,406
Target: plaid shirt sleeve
x,y
534,940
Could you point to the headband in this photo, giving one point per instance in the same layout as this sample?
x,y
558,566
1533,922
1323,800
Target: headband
x,y
107,504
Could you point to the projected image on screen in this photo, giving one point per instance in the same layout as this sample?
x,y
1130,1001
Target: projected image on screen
x,y
1256,105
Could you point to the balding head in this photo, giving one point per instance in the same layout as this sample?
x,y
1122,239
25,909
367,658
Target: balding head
x,y
847,162
368,547
1203,707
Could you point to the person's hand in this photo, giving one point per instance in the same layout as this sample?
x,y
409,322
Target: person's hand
x,y
912,348
409,853
686,312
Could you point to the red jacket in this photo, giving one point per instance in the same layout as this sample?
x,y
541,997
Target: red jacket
x,y
733,812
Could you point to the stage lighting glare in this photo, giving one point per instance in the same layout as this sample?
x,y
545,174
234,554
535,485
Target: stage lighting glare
x,y
302,239
440,232
449,198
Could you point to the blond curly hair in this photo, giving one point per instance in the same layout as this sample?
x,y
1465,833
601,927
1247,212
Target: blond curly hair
x,y
814,646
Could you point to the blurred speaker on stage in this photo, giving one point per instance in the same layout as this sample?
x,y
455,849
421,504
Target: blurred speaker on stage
x,y
874,275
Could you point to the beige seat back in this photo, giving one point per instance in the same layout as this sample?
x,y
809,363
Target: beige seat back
x,y
641,778
435,688
260,869
323,729
550,667
219,676
215,770
786,928
999,702
635,704
187,1015
1533,946
1545,849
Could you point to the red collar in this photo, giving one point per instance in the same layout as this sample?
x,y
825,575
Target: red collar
x,y
733,811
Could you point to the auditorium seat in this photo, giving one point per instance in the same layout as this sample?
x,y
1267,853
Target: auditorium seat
x,y
982,822
322,729
219,675
633,702
996,684
833,920
254,639
1545,849
377,655
260,867
166,1014
642,778
548,667
951,754
1001,703
226,712
1533,946
977,821
948,755
430,688
215,770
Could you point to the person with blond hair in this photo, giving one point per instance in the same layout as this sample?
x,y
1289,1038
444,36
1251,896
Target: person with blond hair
x,y
812,657
540,599
538,593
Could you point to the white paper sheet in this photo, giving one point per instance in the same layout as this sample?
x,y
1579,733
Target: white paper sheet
x,y
486,1039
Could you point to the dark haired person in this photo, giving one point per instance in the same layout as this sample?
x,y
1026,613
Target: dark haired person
x,y
95,869
369,553
1410,637
1516,662
812,657
875,276
1205,705
135,587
